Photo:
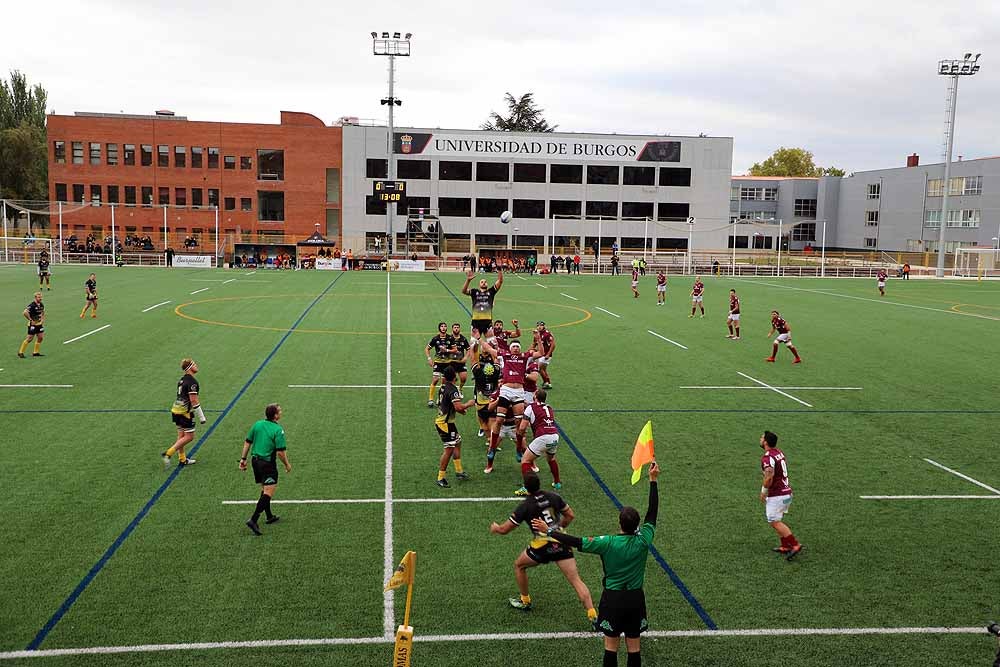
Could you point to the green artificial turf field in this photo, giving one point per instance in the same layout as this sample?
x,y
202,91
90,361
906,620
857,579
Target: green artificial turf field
x,y
105,548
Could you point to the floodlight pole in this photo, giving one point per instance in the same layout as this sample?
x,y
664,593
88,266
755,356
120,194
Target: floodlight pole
x,y
391,47
60,234
779,247
822,260
953,68
734,246
6,258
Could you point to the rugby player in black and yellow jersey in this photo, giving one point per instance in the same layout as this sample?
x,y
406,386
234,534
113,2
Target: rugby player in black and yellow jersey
x,y
35,314
482,300
486,372
44,273
438,353
460,352
187,405
449,403
90,294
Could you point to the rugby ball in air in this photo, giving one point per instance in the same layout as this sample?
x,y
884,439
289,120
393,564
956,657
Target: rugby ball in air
x,y
506,217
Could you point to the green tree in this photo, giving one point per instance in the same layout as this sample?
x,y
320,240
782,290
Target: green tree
x,y
523,116
792,162
23,150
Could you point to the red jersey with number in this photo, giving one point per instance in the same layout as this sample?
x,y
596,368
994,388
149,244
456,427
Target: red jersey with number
x,y
514,368
882,275
545,338
698,288
530,385
734,304
661,279
779,324
542,419
775,459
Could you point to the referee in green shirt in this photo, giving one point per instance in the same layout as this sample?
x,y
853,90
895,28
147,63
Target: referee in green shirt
x,y
623,603
265,442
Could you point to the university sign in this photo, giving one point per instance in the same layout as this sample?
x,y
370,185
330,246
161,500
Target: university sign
x,y
536,146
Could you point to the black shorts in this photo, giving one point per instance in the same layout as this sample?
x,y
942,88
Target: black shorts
x,y
485,413
91,297
449,434
622,613
459,367
44,274
35,329
482,326
439,367
183,422
550,553
265,471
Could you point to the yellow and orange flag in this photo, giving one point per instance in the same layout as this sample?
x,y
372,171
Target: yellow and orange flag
x,y
403,573
643,452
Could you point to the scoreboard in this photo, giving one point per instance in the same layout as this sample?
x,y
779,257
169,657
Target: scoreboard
x,y
389,191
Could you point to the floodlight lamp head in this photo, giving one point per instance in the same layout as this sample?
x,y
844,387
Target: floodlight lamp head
x,y
374,35
396,35
968,55
385,35
410,34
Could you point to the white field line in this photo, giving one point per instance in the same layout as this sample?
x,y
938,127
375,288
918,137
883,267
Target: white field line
x,y
775,389
518,636
231,280
541,285
673,342
863,298
371,501
162,303
207,280
35,386
939,497
86,334
608,312
200,290
788,388
965,477
568,296
388,562
356,386
252,273
521,277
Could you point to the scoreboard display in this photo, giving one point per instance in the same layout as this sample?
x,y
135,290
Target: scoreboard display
x,y
389,191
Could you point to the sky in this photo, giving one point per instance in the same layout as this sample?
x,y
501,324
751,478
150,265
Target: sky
x,y
856,83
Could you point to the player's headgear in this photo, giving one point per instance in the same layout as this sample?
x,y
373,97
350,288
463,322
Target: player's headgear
x,y
513,343
771,439
539,323
628,520
186,363
531,483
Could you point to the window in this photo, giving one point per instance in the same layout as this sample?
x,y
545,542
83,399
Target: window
x,y
752,215
671,243
111,153
376,168
180,196
871,218
741,241
270,167
490,208
95,153
935,187
973,185
229,203
130,195
270,205
180,156
871,243
145,155
113,194
755,194
333,186
770,194
761,242
78,193
932,218
213,158
197,200
455,206
229,162
734,195
374,206
129,155
968,218
163,156
454,171
956,186
147,195
805,208
95,195
77,152
637,209
246,163
529,172
213,198
675,176
417,204
874,190
565,208
246,204
415,169
602,175
196,157
529,208
602,209
673,211
61,191
566,173
164,196
804,232
493,171
639,176
59,148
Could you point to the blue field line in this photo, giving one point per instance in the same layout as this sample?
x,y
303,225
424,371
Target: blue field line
x,y
453,295
601,411
657,556
95,570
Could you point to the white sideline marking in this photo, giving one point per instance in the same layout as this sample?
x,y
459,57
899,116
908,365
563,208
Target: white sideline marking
x,y
86,334
775,389
252,273
33,386
608,312
356,386
348,641
206,280
146,310
788,388
200,290
568,296
667,339
231,280
965,477
541,285
369,501
521,277
923,498
388,562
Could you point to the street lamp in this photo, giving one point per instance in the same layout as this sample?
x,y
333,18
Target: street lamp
x,y
384,45
967,66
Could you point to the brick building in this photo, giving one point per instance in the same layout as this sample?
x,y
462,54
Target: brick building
x,y
267,181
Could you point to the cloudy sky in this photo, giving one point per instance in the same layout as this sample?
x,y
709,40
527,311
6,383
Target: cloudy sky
x,y
854,82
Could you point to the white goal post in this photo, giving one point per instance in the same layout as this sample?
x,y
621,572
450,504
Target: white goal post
x,y
26,249
976,262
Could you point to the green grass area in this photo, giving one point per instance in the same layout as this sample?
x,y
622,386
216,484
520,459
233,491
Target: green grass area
x,y
84,463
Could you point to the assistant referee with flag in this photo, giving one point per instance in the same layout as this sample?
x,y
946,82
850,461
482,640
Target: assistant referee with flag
x,y
623,603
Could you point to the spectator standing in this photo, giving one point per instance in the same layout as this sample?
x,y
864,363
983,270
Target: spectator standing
x,y
576,263
170,256
906,271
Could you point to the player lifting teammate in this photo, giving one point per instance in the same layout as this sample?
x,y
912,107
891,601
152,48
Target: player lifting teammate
x,y
35,314
546,439
438,352
733,320
661,288
881,278
44,273
486,374
450,402
784,336
187,405
776,494
697,296
459,355
482,300
511,401
90,295
545,343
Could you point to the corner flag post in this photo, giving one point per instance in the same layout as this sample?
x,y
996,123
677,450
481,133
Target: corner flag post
x,y
404,574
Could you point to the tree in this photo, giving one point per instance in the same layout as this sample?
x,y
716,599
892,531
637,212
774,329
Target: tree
x,y
792,162
523,116
23,151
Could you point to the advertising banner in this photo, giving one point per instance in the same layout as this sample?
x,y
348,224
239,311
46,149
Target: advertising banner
x,y
193,261
324,264
408,265
612,149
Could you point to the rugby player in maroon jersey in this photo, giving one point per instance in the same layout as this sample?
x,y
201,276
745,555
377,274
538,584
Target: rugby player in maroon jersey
x,y
733,320
784,336
545,439
881,277
499,336
776,494
661,288
513,369
697,296
635,283
545,343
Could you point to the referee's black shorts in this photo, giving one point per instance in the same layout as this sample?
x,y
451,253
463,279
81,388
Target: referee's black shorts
x,y
622,613
265,471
